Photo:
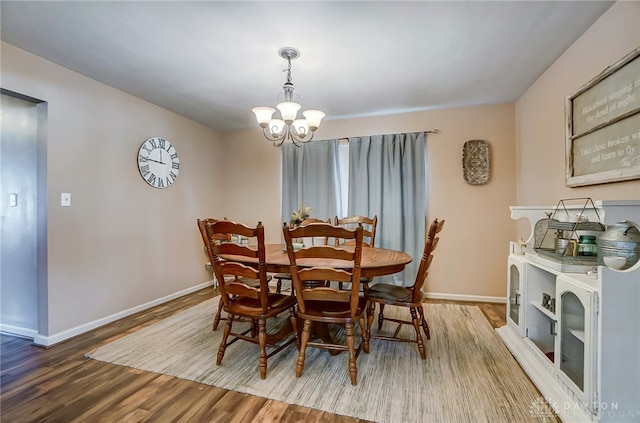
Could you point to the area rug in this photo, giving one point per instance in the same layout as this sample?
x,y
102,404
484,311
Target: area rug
x,y
468,376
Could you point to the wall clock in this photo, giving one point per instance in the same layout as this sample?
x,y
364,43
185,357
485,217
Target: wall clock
x,y
158,162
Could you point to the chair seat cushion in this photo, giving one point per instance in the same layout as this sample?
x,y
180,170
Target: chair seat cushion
x,y
389,293
327,310
251,282
251,306
255,283
362,280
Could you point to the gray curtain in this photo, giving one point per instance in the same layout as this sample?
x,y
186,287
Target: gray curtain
x,y
311,176
387,178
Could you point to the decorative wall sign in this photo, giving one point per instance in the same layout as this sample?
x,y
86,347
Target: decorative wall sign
x,y
476,158
603,126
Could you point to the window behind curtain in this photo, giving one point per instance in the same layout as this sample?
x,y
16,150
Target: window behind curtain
x,y
343,153
311,176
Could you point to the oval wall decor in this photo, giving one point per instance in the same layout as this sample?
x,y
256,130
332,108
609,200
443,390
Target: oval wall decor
x,y
476,158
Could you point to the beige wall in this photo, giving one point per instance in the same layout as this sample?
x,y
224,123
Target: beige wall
x,y
121,243
471,257
541,119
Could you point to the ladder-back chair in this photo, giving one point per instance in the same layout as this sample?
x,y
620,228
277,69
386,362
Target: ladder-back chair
x,y
287,276
410,297
369,225
255,304
319,304
209,240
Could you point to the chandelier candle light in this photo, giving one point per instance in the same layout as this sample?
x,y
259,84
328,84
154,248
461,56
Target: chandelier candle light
x,y
298,131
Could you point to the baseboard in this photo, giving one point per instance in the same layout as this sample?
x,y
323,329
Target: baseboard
x,y
458,297
47,341
18,331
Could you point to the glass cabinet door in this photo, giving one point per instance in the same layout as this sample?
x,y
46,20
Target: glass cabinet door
x,y
515,279
572,318
514,294
576,337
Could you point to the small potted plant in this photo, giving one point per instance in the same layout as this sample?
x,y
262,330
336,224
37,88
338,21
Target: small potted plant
x,y
297,216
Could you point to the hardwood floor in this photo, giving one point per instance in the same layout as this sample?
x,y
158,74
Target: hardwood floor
x,y
60,384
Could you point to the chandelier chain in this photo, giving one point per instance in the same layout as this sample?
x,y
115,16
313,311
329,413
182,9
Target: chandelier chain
x,y
288,70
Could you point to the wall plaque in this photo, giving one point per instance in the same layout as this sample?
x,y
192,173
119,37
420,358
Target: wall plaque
x,y
603,126
476,160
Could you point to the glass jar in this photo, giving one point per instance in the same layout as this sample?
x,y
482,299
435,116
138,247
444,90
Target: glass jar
x,y
587,245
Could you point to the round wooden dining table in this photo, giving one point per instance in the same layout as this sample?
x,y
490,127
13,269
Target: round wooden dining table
x,y
375,261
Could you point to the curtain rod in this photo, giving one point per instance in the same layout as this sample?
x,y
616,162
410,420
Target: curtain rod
x,y
429,131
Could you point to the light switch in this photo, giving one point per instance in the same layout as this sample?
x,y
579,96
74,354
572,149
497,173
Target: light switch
x,y
14,200
65,199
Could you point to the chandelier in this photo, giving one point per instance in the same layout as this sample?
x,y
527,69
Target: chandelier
x,y
298,131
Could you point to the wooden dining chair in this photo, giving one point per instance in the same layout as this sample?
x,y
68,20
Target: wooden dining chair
x,y
411,297
369,225
210,238
319,304
280,277
241,300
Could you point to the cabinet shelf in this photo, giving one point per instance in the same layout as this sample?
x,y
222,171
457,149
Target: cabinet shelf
x,y
579,334
549,314
574,226
577,260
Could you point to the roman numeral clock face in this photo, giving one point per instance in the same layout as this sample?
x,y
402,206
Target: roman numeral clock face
x,y
158,162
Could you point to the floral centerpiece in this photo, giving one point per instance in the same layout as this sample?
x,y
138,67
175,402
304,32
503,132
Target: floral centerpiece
x,y
297,216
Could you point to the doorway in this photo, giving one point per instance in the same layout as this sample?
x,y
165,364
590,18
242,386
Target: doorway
x,y
23,215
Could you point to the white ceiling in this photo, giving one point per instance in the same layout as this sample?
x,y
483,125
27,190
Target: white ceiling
x,y
212,61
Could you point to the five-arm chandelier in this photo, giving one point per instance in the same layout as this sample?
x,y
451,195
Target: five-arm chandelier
x,y
289,127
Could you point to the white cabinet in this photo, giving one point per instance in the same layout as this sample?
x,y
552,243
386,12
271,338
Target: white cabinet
x,y
577,335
